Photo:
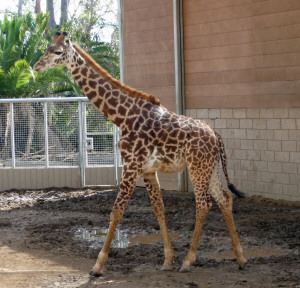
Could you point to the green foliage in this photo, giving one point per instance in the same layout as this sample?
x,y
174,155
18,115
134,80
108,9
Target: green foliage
x,y
22,42
35,29
64,83
16,81
85,30
10,43
19,39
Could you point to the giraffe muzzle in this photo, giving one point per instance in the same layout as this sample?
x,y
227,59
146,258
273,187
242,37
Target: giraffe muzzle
x,y
38,68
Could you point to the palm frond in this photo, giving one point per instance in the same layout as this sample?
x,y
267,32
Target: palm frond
x,y
3,83
18,76
35,31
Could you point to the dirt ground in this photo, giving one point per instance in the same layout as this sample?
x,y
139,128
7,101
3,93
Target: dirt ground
x,y
51,238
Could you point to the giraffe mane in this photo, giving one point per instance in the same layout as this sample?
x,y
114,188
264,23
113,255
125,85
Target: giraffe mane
x,y
136,93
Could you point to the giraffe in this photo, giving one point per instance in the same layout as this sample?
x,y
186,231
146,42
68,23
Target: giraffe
x,y
153,139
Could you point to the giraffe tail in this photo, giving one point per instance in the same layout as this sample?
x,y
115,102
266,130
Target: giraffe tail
x,y
223,157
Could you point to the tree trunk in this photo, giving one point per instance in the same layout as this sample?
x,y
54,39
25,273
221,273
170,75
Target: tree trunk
x,y
92,15
50,9
8,125
37,8
31,122
64,11
6,145
20,6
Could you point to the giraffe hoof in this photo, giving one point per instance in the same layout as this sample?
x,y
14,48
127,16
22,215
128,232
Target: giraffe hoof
x,y
165,268
95,274
184,269
242,264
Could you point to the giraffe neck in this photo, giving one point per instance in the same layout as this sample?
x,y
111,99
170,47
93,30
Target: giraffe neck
x,y
97,88
113,99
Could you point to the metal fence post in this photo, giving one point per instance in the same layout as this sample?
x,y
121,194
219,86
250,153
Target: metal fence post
x,y
46,134
81,142
12,135
179,74
116,154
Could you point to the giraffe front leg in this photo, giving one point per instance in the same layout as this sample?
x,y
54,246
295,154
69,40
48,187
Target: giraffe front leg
x,y
128,182
115,218
199,174
152,185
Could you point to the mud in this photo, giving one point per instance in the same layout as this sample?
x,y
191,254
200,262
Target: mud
x,y
51,238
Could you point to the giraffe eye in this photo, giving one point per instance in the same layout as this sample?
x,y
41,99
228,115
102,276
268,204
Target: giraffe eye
x,y
58,52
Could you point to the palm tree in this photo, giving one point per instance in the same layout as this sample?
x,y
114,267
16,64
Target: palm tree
x,y
21,44
11,84
17,48
19,40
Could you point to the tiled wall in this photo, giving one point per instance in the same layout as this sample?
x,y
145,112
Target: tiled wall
x,y
262,146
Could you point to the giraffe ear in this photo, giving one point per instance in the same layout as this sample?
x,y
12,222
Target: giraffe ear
x,y
56,38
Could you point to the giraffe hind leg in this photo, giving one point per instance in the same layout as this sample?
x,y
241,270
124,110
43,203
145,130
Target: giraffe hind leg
x,y
203,205
224,201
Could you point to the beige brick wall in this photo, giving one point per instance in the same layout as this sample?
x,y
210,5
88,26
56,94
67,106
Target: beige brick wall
x,y
263,148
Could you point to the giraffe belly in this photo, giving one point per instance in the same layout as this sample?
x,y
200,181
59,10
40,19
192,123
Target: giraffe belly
x,y
164,164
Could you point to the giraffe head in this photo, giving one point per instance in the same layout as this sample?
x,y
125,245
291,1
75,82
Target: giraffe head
x,y
57,54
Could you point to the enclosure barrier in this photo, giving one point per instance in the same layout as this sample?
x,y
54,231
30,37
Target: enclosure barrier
x,y
58,142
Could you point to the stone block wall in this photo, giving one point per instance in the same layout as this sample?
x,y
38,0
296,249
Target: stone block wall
x,y
262,146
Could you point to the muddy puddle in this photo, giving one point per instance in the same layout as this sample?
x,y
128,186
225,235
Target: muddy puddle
x,y
122,239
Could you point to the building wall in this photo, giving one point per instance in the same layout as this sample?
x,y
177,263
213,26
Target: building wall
x,y
149,48
242,74
241,53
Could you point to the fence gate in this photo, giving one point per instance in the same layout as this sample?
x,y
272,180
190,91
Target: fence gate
x,y
100,151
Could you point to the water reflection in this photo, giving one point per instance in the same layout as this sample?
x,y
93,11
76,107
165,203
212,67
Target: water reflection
x,y
121,239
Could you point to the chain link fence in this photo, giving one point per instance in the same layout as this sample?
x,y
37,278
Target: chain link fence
x,y
99,138
55,132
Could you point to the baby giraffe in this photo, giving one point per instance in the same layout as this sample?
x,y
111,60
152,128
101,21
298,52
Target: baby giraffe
x,y
153,139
